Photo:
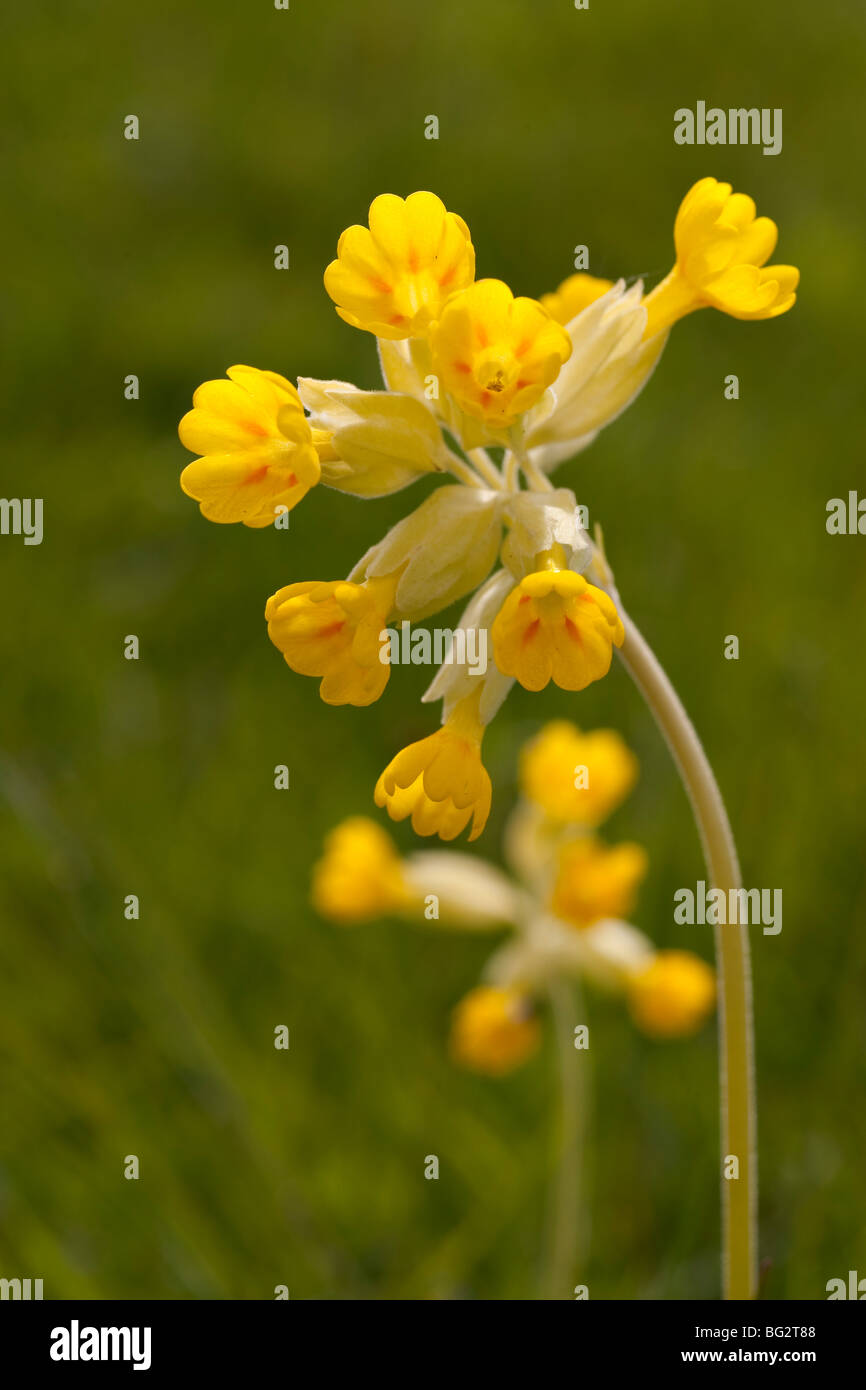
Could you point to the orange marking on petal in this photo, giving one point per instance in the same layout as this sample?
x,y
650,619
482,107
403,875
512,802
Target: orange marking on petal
x,y
573,631
463,367
332,628
252,428
523,347
524,598
530,632
381,286
257,475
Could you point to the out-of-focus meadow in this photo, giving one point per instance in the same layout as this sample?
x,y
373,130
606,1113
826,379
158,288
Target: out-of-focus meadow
x,y
155,777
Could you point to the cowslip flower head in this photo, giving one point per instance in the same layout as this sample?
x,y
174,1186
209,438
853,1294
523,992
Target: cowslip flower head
x,y
466,366
494,1030
574,295
360,875
440,781
556,626
332,630
672,995
596,881
258,451
574,777
393,277
497,355
722,248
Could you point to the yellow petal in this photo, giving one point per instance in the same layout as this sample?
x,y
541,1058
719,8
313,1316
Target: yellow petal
x,y
722,248
393,277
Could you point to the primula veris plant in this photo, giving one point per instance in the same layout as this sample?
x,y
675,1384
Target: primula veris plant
x,y
489,392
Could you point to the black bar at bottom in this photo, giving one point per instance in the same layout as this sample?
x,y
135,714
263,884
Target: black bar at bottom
x,y
83,1338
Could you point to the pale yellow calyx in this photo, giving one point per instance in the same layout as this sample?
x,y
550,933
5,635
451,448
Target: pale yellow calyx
x,y
323,443
371,443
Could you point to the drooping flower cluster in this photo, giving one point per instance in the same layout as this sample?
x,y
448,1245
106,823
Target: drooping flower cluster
x,y
566,902
495,391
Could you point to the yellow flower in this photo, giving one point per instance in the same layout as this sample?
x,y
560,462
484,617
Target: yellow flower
x,y
576,777
556,626
722,249
496,355
360,874
394,278
257,449
595,881
441,781
575,294
672,995
494,1030
332,630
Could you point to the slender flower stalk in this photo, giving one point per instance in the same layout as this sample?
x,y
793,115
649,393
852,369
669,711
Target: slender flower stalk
x,y
463,472
736,1044
486,467
568,1228
738,1111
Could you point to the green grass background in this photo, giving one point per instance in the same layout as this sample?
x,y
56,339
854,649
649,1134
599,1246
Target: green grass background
x,y
155,1037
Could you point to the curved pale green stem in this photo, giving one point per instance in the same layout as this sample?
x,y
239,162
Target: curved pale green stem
x,y
736,1047
566,1239
739,1162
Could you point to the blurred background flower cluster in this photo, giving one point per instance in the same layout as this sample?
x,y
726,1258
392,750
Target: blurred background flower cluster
x,y
564,900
